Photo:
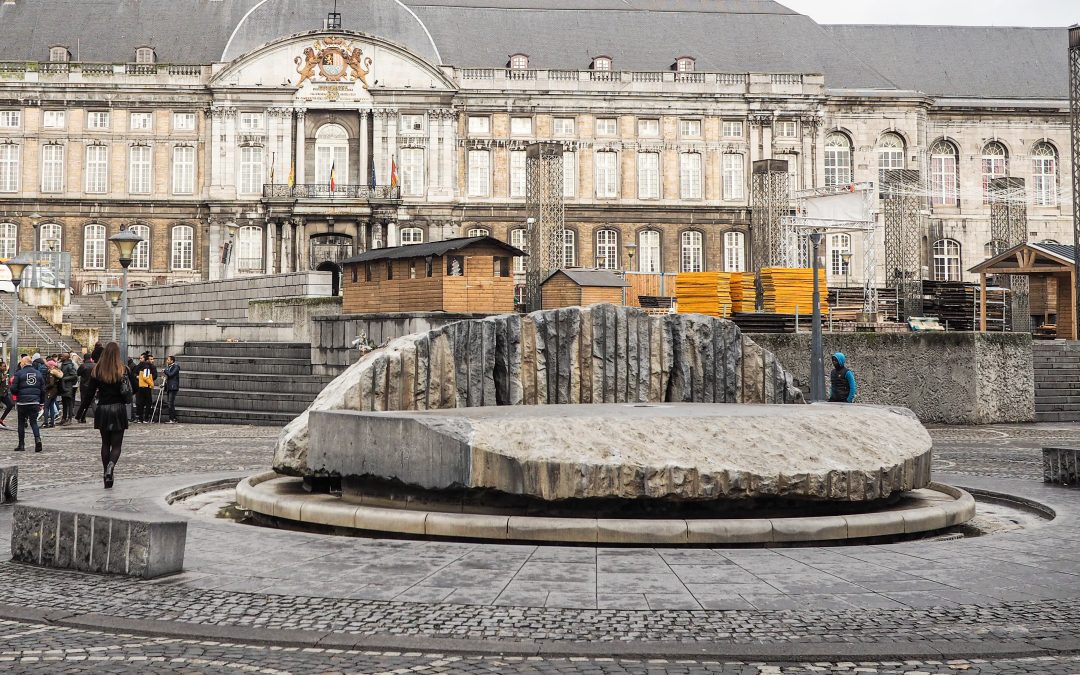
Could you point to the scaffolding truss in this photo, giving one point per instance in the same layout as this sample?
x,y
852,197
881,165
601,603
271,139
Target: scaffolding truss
x,y
1074,128
1008,228
770,203
545,228
901,205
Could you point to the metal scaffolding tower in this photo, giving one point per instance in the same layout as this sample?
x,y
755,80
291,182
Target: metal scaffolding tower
x,y
902,206
544,232
769,204
1074,126
1008,228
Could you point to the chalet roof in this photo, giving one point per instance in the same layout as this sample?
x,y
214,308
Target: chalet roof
x,y
1065,254
431,248
589,277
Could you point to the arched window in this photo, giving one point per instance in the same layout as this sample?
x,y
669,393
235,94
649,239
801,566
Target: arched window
x,y
837,159
995,164
603,63
59,54
478,232
519,240
734,252
649,252
993,248
332,153
839,245
890,152
946,260
140,257
519,62
1044,175
249,249
145,55
944,176
9,240
183,247
569,248
411,235
50,237
607,250
93,247
684,64
692,252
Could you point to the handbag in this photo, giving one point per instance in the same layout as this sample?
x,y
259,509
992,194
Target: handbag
x,y
125,390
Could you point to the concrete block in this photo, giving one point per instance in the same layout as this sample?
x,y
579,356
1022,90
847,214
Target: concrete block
x,y
527,528
729,531
628,531
923,520
390,520
809,529
1061,465
478,526
9,484
327,510
874,524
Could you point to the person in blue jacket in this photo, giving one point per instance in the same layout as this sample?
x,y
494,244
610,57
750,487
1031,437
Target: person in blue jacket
x,y
28,390
843,380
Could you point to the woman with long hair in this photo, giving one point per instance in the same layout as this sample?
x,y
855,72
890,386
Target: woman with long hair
x,y
110,416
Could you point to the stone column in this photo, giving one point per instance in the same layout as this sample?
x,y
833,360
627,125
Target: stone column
x,y
285,157
283,247
215,152
269,232
391,234
365,160
362,244
270,155
432,157
391,141
301,246
214,268
229,160
810,126
379,143
301,143
449,141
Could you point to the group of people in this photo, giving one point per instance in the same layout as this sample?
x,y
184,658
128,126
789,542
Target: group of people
x,y
103,382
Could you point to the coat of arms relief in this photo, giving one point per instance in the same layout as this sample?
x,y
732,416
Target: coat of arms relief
x,y
335,60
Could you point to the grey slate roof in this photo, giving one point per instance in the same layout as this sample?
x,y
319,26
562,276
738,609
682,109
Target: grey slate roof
x,y
1066,251
432,248
590,277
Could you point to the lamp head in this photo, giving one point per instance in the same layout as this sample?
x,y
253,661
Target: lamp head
x,y
631,249
125,241
17,265
112,294
232,227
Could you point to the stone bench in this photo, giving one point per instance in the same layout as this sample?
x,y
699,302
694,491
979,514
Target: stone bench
x,y
136,544
9,484
1061,465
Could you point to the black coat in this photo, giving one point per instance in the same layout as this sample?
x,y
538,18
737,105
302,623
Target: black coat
x,y
172,377
28,387
110,413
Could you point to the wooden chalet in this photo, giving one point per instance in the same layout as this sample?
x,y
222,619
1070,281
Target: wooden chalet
x,y
579,287
468,274
1051,268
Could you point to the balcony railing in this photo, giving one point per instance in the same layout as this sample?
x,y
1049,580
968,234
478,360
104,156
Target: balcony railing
x,y
323,191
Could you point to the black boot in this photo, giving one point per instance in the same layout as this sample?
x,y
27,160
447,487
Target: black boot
x,y
109,474
37,445
19,448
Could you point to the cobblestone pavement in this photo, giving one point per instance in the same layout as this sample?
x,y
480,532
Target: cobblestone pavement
x,y
1018,589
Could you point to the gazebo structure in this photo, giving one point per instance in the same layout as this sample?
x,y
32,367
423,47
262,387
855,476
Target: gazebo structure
x,y
1051,268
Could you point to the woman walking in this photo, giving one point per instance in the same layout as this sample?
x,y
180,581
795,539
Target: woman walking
x,y
5,393
109,380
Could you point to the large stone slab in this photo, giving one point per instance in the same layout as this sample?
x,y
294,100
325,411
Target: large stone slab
x,y
596,354
673,451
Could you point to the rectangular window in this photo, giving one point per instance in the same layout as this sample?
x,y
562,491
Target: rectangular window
x,y
97,120
52,168
183,169
10,119
607,174
479,124
412,125
139,169
183,248
733,129
141,121
479,173
389,270
9,168
367,272
648,175
517,173
517,240
690,175
251,121
520,126
787,129
569,174
412,172
251,170
97,169
648,128
690,128
607,126
792,170
563,126
734,174
54,119
183,121
501,266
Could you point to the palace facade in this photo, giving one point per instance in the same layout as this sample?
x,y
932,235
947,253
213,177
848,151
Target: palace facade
x,y
261,136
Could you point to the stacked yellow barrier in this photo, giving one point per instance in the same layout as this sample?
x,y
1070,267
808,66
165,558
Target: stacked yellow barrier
x,y
743,292
704,293
790,290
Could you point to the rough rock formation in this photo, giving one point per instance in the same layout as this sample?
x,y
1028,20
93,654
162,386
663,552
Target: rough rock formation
x,y
597,354
684,451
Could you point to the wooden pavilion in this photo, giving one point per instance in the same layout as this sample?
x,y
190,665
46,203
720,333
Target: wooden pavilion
x,y
1051,268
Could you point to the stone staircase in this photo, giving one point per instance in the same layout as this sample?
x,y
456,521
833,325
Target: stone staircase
x,y
35,333
1057,381
260,383
91,311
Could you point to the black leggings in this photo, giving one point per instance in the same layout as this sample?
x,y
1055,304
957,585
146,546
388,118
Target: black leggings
x,y
8,405
111,442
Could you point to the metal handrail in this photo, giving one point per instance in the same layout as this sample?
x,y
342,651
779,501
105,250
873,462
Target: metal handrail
x,y
36,329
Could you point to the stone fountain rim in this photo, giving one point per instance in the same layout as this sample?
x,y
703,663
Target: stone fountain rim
x,y
273,495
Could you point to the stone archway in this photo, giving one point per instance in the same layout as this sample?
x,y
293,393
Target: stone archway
x,y
335,278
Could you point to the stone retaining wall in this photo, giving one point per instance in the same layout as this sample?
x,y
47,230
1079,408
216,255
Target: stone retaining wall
x,y
224,300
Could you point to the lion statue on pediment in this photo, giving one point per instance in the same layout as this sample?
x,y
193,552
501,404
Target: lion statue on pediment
x,y
306,66
359,64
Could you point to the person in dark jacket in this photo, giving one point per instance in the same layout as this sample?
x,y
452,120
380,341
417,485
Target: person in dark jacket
x,y
28,390
146,378
172,385
133,378
842,379
110,417
84,383
53,377
68,383
5,392
95,355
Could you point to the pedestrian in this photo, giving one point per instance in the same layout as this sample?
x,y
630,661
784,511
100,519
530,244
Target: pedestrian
x,y
28,390
96,354
53,377
133,379
842,379
109,381
144,394
5,392
84,383
172,385
68,384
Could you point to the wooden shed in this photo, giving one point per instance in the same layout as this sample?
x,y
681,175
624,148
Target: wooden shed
x,y
579,287
468,274
1051,268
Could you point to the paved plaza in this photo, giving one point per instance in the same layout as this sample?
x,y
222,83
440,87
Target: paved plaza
x,y
263,600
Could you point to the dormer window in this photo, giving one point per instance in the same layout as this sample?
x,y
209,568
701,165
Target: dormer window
x,y
145,55
519,62
602,63
684,64
59,54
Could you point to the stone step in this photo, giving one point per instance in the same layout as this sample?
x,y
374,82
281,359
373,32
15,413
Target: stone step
x,y
1042,401
1058,407
1057,416
248,383
257,349
244,402
1051,373
226,365
193,415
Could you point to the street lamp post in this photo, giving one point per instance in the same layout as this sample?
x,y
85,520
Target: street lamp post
x,y
125,241
817,363
17,265
112,295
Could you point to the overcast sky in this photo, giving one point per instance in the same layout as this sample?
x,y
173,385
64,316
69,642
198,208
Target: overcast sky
x,y
950,12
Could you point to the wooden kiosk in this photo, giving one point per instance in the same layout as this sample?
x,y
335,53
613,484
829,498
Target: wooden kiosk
x,y
1052,270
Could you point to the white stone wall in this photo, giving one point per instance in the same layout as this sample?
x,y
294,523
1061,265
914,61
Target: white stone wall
x,y
222,300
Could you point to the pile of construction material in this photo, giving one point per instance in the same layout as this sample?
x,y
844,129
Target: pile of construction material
x,y
743,292
706,293
790,290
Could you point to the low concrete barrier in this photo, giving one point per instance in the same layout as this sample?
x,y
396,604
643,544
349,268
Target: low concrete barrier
x,y
9,484
136,545
1061,465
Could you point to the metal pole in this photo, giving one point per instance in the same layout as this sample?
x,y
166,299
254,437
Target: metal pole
x,y
112,313
124,319
817,364
15,319
1074,127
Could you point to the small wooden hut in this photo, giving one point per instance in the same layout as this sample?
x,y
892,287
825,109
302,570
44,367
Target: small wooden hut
x,y
576,287
1051,268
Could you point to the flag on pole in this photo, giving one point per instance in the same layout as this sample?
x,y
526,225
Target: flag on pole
x,y
393,173
292,175
333,175
371,174
273,161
